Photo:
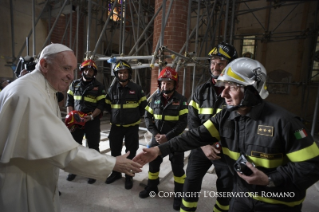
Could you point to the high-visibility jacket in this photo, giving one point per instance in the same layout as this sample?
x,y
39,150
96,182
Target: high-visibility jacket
x,y
86,97
125,104
170,119
204,103
270,137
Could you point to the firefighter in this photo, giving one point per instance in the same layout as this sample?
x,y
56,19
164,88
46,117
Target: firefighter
x,y
125,101
284,154
87,95
206,102
165,118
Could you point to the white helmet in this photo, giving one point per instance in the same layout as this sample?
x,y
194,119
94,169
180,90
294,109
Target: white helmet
x,y
245,71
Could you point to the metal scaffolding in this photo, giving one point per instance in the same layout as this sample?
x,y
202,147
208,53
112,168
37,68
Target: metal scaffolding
x,y
208,22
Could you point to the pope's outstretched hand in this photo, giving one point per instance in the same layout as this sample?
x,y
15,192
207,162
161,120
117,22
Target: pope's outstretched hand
x,y
127,166
148,155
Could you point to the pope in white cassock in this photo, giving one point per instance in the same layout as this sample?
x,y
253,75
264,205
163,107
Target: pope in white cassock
x,y
35,143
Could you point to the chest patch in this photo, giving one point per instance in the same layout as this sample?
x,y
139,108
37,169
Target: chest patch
x,y
95,88
266,155
131,92
265,130
175,103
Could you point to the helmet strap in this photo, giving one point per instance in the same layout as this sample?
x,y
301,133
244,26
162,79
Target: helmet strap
x,y
86,77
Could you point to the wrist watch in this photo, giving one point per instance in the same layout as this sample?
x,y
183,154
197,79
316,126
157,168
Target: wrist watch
x,y
92,118
270,182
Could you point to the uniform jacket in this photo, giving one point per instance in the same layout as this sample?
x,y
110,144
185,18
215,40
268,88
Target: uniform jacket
x,y
171,119
35,144
125,104
270,137
86,97
204,103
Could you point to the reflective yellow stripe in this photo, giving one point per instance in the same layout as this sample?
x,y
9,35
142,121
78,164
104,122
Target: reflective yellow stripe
x,y
223,207
125,106
107,101
142,99
77,97
171,118
212,129
100,97
184,111
304,154
70,92
129,125
180,180
189,204
153,176
90,99
131,105
266,163
234,75
194,104
149,109
215,209
205,111
233,155
274,201
158,117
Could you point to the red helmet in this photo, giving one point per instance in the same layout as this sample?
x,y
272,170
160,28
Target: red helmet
x,y
88,64
168,73
75,120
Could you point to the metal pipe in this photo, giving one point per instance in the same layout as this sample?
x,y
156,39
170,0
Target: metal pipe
x,y
20,52
77,37
55,22
124,21
146,28
71,13
217,24
132,20
88,25
163,24
207,29
33,26
27,45
12,30
104,28
184,80
232,22
188,23
132,57
226,19
121,28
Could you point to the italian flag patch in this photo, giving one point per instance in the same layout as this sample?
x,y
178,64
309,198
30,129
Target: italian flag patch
x,y
299,134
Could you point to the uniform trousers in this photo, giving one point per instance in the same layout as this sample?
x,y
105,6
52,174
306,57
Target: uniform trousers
x,y
198,164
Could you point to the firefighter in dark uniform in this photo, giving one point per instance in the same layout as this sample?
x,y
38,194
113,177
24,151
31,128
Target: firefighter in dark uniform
x,y
126,102
87,95
284,154
165,118
206,102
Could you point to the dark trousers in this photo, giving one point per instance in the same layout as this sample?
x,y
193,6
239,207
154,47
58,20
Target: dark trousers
x,y
92,134
198,164
177,163
116,136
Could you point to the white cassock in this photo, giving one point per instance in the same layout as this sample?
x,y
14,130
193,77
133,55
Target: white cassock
x,y
34,144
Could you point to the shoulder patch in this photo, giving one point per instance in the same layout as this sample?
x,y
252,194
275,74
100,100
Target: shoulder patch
x,y
265,130
299,134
